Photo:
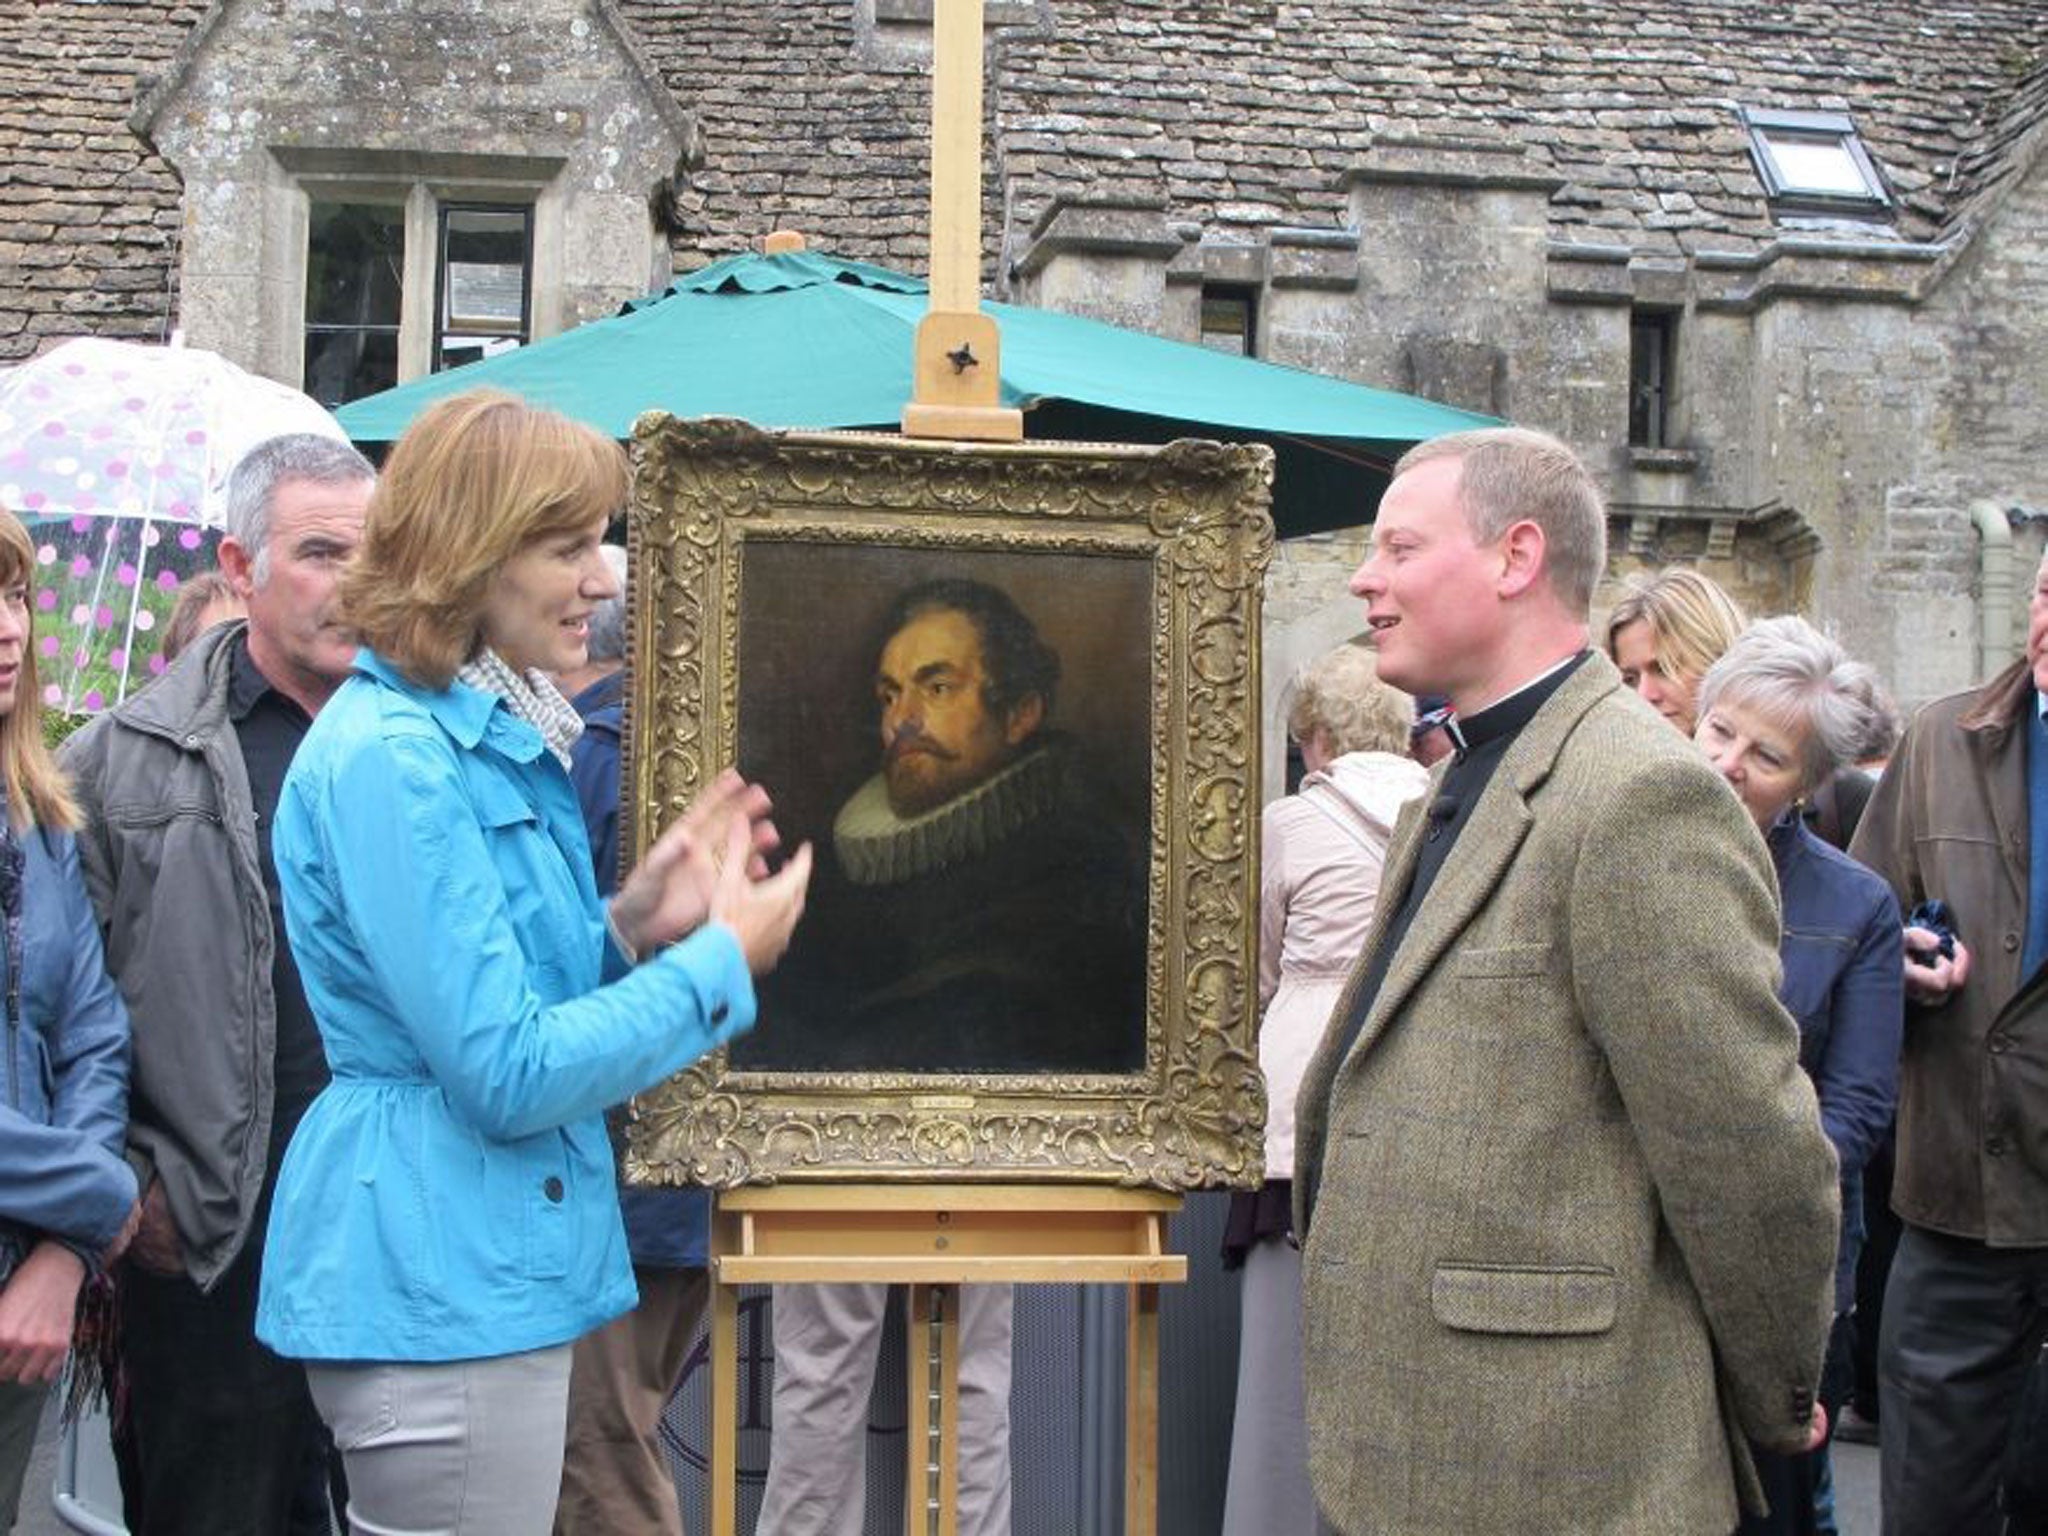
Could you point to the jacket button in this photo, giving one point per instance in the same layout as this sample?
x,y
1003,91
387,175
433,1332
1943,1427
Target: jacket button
x,y
720,1013
1995,1145
552,1189
2011,942
2001,1042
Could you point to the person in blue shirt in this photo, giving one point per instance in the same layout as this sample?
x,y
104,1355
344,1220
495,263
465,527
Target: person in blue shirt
x,y
1779,713
446,1223
67,1196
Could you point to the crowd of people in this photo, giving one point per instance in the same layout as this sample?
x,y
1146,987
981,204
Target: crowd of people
x,y
1600,989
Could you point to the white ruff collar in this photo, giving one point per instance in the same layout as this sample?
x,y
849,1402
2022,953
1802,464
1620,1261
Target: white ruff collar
x,y
878,847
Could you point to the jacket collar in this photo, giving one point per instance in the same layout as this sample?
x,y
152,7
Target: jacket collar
x,y
189,703
1996,707
1487,846
469,715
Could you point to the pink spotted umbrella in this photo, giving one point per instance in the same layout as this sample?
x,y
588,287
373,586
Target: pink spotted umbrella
x,y
116,455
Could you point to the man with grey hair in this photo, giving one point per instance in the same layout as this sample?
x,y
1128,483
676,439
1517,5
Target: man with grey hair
x,y
1961,816
214,1433
1567,1212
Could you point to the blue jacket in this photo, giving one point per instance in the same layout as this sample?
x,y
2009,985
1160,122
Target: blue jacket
x,y
450,1194
65,1115
1843,959
665,1228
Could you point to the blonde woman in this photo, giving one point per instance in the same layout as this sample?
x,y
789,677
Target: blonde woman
x,y
67,1196
1320,856
1665,633
446,1222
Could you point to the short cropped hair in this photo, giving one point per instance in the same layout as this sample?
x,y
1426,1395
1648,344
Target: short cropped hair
x,y
1792,672
608,618
1017,663
1511,474
1340,694
198,594
476,479
271,463
1692,619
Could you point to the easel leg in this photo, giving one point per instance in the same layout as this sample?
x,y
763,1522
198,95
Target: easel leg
x,y
724,1409
931,1484
1141,1412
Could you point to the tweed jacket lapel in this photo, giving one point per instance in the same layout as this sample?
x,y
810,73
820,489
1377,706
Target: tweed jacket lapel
x,y
1484,853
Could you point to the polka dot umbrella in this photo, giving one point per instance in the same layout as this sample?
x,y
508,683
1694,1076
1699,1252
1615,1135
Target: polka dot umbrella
x,y
116,457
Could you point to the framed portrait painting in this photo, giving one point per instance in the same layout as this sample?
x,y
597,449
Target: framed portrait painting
x,y
1008,693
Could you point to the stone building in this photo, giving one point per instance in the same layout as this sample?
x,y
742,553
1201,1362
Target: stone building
x,y
1781,273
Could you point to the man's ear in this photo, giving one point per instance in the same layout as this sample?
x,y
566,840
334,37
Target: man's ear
x,y
1025,717
239,566
1523,549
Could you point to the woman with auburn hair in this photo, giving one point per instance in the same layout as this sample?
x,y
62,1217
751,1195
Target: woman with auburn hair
x,y
446,1222
1665,633
67,1196
1321,851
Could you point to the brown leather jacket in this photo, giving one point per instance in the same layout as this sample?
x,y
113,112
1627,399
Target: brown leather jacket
x,y
1949,819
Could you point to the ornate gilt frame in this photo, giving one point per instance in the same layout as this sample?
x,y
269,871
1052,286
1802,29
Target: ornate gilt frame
x,y
1198,512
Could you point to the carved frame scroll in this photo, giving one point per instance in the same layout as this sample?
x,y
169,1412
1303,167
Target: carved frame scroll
x,y
1196,515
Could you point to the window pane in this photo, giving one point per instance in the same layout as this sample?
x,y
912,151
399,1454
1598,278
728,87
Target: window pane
x,y
355,264
1817,165
1227,322
346,364
484,264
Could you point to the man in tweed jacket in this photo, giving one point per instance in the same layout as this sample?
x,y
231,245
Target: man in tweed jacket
x,y
1568,1214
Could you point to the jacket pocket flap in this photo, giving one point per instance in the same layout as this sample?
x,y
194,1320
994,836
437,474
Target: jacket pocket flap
x,y
499,804
1554,1299
1503,960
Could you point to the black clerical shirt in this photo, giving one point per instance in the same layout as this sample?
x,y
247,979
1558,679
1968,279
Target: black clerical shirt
x,y
269,727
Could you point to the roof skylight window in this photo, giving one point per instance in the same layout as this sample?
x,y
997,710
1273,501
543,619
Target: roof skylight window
x,y
1813,160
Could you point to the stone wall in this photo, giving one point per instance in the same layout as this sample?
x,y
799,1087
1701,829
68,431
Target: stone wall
x,y
269,106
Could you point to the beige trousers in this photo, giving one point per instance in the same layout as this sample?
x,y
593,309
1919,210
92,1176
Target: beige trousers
x,y
614,1476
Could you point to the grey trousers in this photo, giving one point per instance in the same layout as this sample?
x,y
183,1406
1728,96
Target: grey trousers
x,y
1961,1323
1268,1493
465,1448
826,1339
21,1410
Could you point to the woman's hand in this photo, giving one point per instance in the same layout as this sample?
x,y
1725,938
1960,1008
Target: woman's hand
x,y
36,1310
761,912
670,893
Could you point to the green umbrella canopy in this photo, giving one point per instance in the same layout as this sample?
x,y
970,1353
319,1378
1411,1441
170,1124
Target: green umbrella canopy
x,y
806,340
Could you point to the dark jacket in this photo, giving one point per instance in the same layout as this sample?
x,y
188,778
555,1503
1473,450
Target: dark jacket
x,y
1841,952
65,1114
665,1228
170,858
1949,820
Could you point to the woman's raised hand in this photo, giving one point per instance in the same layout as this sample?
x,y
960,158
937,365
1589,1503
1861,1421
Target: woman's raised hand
x,y
669,894
761,912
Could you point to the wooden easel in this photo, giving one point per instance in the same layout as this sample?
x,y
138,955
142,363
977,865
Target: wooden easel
x,y
938,1238
935,1239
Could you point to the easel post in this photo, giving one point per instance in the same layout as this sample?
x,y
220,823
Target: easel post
x,y
956,369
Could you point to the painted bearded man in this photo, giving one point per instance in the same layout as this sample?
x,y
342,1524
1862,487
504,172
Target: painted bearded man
x,y
987,915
